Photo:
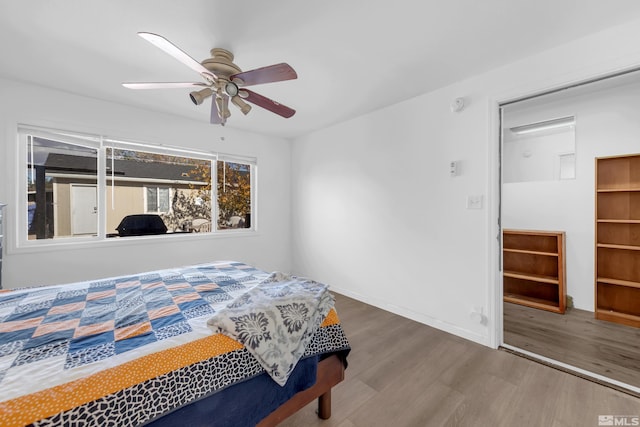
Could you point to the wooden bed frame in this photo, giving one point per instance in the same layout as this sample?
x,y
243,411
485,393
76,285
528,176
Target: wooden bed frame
x,y
330,372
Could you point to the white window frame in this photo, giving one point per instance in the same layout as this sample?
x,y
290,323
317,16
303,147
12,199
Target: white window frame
x,y
74,138
253,171
101,143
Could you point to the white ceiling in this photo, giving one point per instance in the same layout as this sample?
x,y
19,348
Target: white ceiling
x,y
351,56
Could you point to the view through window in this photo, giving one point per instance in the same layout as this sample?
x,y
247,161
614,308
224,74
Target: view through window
x,y
145,189
61,189
176,188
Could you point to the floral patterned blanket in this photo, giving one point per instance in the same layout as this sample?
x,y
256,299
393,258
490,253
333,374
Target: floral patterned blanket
x,y
276,320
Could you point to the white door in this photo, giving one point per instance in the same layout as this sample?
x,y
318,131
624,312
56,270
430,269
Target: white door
x,y
84,209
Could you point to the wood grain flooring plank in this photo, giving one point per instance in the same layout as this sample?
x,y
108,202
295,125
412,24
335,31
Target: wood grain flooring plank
x,y
534,401
486,399
580,403
428,355
409,403
346,398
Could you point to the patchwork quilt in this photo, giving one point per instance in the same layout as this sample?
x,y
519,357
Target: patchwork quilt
x,y
125,350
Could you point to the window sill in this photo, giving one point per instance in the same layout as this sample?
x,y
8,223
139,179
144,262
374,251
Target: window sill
x,y
99,243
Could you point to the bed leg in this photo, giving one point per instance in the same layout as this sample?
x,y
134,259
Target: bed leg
x,y
324,405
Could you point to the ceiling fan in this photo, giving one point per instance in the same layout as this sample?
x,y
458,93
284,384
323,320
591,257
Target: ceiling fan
x,y
223,81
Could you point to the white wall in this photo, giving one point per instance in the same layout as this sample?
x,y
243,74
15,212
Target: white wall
x,y
535,157
606,124
269,248
376,215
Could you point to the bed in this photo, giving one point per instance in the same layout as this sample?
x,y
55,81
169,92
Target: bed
x,y
151,349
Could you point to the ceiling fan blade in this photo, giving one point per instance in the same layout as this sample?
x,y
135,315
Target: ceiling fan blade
x,y
178,54
163,85
267,104
269,74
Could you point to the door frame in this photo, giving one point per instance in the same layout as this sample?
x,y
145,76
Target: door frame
x,y
496,333
494,184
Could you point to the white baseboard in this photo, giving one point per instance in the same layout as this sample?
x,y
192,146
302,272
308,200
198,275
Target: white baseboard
x,y
418,317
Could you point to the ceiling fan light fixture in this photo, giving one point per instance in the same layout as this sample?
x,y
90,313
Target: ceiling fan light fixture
x,y
231,89
243,106
199,96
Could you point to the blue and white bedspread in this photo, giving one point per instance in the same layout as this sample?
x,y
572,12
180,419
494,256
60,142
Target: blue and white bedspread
x,y
276,320
124,351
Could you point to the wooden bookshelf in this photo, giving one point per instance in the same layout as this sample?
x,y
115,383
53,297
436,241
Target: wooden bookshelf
x,y
617,284
534,269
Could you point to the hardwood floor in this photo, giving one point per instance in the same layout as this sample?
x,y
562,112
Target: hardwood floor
x,y
576,338
403,373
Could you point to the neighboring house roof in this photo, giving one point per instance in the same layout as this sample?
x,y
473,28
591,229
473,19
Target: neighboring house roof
x,y
70,164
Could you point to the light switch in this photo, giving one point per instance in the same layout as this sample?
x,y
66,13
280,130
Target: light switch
x,y
454,168
474,202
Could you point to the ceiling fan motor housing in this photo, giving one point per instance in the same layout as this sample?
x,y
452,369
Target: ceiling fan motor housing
x,y
221,63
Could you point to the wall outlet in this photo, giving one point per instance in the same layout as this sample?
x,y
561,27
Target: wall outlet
x,y
477,315
474,202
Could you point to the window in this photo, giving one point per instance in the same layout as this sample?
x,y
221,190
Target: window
x,y
157,199
234,195
144,181
61,181
83,187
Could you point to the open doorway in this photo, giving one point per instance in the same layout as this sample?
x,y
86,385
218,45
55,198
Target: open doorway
x,y
549,146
